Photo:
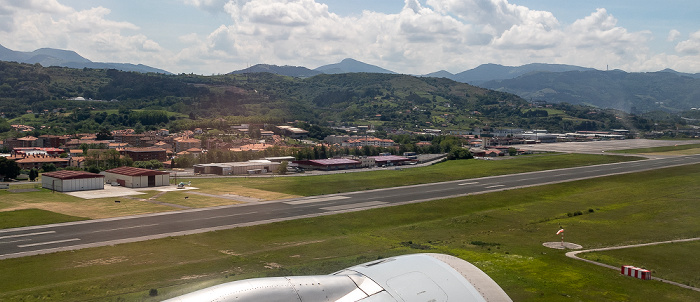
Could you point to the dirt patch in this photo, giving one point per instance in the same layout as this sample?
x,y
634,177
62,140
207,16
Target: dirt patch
x,y
288,244
561,246
253,193
273,265
22,190
232,253
190,277
103,261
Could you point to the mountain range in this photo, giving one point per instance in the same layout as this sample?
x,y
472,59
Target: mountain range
x,y
345,66
66,58
665,90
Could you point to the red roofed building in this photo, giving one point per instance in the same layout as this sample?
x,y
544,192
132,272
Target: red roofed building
x,y
329,164
70,181
389,160
36,161
131,177
144,154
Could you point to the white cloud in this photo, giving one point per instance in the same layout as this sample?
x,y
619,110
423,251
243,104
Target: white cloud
x,y
420,38
673,35
690,46
28,25
214,6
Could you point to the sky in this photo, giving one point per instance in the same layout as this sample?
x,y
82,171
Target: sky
x,y
406,36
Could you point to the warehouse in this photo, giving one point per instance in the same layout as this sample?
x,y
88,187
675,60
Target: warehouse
x,y
389,160
238,168
131,177
71,181
328,164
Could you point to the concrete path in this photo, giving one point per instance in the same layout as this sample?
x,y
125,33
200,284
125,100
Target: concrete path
x,y
574,255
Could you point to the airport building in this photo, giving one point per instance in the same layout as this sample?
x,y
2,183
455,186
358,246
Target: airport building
x,y
131,177
328,164
238,168
71,181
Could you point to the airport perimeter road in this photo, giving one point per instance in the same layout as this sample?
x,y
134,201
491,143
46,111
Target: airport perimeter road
x,y
35,240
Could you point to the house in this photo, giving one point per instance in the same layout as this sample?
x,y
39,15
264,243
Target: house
x,y
144,154
36,161
184,143
71,181
131,177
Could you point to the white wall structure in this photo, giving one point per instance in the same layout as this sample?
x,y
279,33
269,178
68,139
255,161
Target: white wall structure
x,y
71,181
131,177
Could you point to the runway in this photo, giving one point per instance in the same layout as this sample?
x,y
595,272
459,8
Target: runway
x,y
21,242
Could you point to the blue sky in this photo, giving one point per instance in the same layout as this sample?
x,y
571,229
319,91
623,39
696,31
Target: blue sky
x,y
406,36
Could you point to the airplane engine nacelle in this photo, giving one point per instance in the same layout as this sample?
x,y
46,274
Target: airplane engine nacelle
x,y
417,277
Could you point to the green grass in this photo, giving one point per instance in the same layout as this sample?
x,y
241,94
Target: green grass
x,y
501,233
678,262
29,217
446,171
658,149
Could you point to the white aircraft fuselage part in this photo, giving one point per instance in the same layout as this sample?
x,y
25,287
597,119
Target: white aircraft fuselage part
x,y
408,278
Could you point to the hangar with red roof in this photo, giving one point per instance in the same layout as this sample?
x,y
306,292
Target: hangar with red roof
x,y
389,160
131,177
71,181
328,164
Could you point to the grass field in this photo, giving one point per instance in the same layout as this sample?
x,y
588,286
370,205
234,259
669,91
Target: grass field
x,y
446,171
667,150
501,233
672,261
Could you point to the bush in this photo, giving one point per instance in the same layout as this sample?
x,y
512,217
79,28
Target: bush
x,y
153,292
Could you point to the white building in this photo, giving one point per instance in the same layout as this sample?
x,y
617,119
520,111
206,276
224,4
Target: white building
x,y
131,177
70,181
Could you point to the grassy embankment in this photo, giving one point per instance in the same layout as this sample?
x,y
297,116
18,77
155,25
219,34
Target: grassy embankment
x,y
667,150
265,188
501,233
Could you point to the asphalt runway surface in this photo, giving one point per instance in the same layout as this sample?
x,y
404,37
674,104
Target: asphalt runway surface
x,y
26,241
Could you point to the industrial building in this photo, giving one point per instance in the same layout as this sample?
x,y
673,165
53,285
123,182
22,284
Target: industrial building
x,y
238,168
389,160
71,181
328,164
131,177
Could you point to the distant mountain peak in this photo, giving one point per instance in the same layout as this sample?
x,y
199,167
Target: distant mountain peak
x,y
349,65
67,58
291,71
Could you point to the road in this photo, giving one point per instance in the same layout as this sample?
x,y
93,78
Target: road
x,y
20,242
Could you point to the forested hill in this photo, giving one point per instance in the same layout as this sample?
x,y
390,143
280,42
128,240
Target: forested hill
x,y
632,92
386,101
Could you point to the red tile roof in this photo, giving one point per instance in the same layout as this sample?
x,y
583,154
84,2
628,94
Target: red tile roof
x,y
131,171
72,175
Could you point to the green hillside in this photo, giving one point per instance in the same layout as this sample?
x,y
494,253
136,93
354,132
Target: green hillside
x,y
116,99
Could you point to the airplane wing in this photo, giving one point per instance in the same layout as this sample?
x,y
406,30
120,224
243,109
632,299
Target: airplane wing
x,y
408,278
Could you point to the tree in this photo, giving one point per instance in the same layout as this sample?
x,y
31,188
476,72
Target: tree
x,y
8,168
512,151
48,167
283,168
33,174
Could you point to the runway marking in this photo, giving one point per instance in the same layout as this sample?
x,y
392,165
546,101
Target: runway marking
x,y
125,228
468,183
47,243
354,205
25,235
312,200
495,186
215,217
15,241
